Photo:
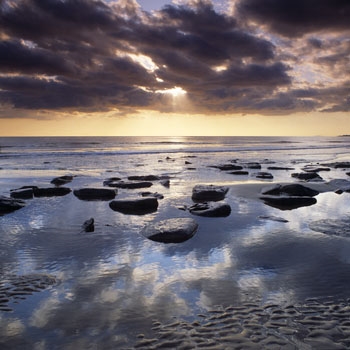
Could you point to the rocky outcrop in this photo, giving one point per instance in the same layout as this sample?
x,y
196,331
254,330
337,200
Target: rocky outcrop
x,y
137,206
8,205
263,175
210,209
51,191
62,180
311,176
129,184
94,194
288,197
204,193
175,230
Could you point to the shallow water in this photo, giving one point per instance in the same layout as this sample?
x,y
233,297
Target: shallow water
x,y
112,284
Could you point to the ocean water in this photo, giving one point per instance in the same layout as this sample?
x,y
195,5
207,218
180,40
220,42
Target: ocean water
x,y
106,289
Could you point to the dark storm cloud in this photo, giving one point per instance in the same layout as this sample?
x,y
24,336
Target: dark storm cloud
x,y
296,17
97,55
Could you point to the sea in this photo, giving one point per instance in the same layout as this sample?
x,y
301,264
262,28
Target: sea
x,y
64,288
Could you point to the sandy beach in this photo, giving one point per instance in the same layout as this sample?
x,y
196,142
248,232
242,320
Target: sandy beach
x,y
264,265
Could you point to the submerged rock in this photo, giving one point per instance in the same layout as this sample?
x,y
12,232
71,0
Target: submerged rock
x,y
8,205
314,168
51,191
175,230
144,178
227,167
208,193
339,227
272,218
137,206
62,180
152,194
252,165
93,194
210,209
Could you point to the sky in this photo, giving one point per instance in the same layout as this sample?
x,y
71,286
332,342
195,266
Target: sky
x,y
181,67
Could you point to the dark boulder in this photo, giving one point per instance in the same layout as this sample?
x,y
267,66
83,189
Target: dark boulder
x,y
8,205
51,191
239,172
289,190
94,194
62,180
204,193
171,230
210,209
137,206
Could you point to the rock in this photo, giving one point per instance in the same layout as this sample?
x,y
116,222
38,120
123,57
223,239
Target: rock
x,y
263,175
152,194
51,191
165,183
288,202
62,180
130,184
307,176
110,181
239,172
187,162
272,218
210,209
93,194
137,206
288,197
348,173
227,167
337,165
314,168
8,205
89,225
279,168
290,190
22,194
252,165
208,193
171,230
144,178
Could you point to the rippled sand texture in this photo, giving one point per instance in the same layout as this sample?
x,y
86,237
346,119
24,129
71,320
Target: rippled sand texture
x,y
312,325
15,288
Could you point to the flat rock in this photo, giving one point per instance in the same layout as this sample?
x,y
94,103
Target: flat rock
x,y
152,194
93,194
129,184
62,180
314,168
144,178
175,230
291,190
239,172
22,193
137,206
209,193
210,209
227,167
51,191
8,205
279,168
263,175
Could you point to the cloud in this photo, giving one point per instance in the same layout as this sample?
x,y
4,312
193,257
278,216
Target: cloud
x,y
79,55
